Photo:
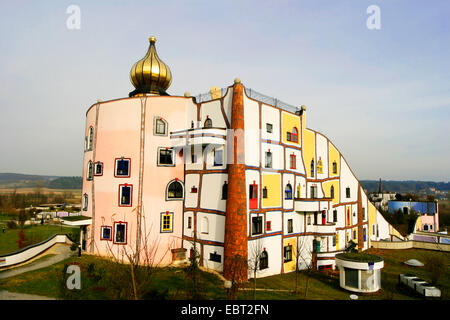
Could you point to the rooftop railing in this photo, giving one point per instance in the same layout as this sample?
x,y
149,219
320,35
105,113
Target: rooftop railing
x,y
253,95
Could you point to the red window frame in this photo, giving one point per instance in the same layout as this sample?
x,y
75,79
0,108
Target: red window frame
x,y
131,195
115,167
101,233
293,161
126,232
268,225
253,196
294,135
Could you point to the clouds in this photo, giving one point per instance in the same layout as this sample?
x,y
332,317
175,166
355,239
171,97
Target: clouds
x,y
390,86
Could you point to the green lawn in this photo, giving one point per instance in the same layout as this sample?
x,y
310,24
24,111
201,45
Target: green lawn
x,y
99,281
34,234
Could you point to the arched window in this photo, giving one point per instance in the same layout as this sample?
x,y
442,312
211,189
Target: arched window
x,y
312,168
294,135
288,192
334,167
332,192
225,191
90,171
319,166
160,126
174,190
208,123
205,225
91,138
85,202
264,260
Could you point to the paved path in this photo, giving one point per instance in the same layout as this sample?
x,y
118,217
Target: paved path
x,y
6,295
59,252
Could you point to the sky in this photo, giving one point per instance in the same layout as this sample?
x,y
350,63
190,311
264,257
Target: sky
x,y
382,96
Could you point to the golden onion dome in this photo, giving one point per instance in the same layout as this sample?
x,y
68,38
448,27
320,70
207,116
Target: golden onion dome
x,y
150,74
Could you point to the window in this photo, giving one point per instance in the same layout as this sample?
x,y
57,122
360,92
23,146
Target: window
x,y
293,161
319,166
268,226
253,196
125,195
194,189
364,234
98,171
165,157
120,232
208,123
159,126
166,222
373,229
313,192
257,225
290,226
312,168
193,155
269,127
122,167
268,159
90,170
292,136
425,227
334,215
299,189
174,190
354,234
85,202
364,213
225,191
309,220
347,192
189,224
205,225
332,192
263,260
334,167
287,254
334,241
91,138
106,233
215,257
288,192
218,157
265,192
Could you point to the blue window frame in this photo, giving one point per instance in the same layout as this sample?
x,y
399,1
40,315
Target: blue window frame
x,y
288,192
122,167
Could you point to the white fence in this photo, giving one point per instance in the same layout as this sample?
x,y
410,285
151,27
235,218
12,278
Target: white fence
x,y
32,251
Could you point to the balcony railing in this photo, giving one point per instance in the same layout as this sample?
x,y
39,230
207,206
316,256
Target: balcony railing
x,y
198,136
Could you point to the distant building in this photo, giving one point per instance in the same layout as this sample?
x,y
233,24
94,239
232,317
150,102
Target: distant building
x,y
428,211
381,198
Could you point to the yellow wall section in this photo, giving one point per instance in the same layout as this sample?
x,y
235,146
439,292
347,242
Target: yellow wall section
x,y
273,184
372,217
290,121
337,241
290,266
308,149
333,156
326,189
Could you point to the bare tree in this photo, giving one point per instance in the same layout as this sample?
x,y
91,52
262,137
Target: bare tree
x,y
304,256
239,264
254,262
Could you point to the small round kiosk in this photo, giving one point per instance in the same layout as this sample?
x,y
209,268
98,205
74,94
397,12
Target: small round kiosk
x,y
359,272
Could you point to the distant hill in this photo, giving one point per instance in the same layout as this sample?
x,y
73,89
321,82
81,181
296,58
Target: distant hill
x,y
405,186
18,180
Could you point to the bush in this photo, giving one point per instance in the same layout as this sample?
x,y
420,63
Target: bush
x,y
436,267
11,224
